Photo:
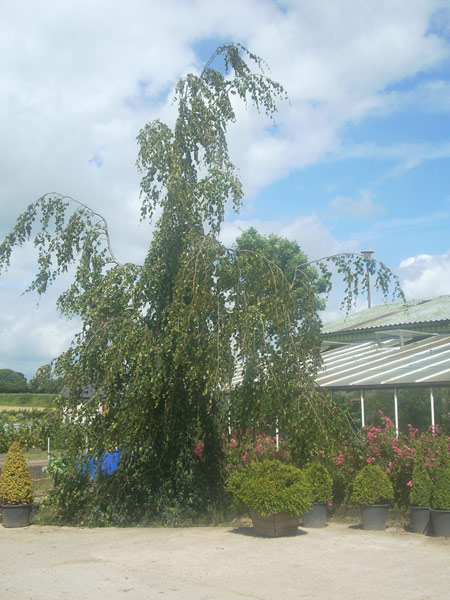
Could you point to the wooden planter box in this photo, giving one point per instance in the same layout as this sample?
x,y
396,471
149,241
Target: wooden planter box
x,y
274,525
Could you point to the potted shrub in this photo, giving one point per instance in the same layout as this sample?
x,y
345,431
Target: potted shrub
x,y
322,493
440,501
420,496
274,493
16,492
373,491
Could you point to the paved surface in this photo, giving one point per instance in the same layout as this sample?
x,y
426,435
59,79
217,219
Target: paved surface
x,y
337,562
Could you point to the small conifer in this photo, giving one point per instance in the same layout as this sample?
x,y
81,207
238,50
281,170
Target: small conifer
x,y
15,479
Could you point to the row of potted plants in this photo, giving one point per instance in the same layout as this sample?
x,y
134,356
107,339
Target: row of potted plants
x,y
277,494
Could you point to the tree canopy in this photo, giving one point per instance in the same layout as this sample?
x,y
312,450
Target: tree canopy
x,y
12,382
160,341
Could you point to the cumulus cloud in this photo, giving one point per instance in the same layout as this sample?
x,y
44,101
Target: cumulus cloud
x,y
311,234
79,80
425,276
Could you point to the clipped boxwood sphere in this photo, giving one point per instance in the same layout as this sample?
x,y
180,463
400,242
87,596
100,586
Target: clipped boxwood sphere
x,y
372,486
271,487
15,480
321,482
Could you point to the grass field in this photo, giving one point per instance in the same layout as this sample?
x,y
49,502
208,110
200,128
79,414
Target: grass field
x,y
27,401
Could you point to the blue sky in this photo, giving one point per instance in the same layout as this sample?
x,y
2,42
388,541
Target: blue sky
x,y
359,157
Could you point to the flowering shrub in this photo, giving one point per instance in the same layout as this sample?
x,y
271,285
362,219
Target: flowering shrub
x,y
243,448
395,456
347,460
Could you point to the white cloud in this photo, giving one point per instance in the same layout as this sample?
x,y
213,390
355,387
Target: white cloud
x,y
311,234
425,276
363,209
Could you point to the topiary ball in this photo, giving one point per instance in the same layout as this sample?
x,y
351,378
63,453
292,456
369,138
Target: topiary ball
x,y
371,486
270,487
15,479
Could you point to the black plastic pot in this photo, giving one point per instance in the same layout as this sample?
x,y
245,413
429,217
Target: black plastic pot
x,y
16,515
420,517
316,516
374,516
441,522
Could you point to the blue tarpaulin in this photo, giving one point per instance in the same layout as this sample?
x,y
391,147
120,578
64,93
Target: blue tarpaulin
x,y
105,465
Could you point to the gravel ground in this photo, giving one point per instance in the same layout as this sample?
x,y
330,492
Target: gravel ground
x,y
209,563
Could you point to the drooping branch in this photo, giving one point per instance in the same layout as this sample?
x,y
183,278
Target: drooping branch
x,y
353,267
63,235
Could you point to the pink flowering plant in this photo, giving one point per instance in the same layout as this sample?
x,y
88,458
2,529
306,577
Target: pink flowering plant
x,y
394,455
242,448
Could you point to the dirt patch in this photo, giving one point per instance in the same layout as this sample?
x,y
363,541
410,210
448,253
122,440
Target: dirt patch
x,y
339,562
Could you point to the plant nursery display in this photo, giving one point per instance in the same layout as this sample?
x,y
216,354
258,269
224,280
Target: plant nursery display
x,y
16,492
322,493
373,491
274,493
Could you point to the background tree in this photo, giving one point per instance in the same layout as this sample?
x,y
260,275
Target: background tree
x,y
44,383
159,341
12,382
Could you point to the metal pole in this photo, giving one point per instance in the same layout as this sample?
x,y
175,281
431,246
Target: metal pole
x,y
277,435
396,411
363,422
433,422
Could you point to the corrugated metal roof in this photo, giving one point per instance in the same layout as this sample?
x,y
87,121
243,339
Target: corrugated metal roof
x,y
387,363
397,314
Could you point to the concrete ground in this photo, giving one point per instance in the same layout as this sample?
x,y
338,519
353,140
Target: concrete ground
x,y
220,563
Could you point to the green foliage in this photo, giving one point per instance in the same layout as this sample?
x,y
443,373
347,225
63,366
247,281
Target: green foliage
x,y
270,487
371,486
441,491
422,484
12,382
44,383
320,481
15,480
32,428
440,498
30,400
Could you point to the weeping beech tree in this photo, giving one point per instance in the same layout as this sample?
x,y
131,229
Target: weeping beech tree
x,y
159,342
